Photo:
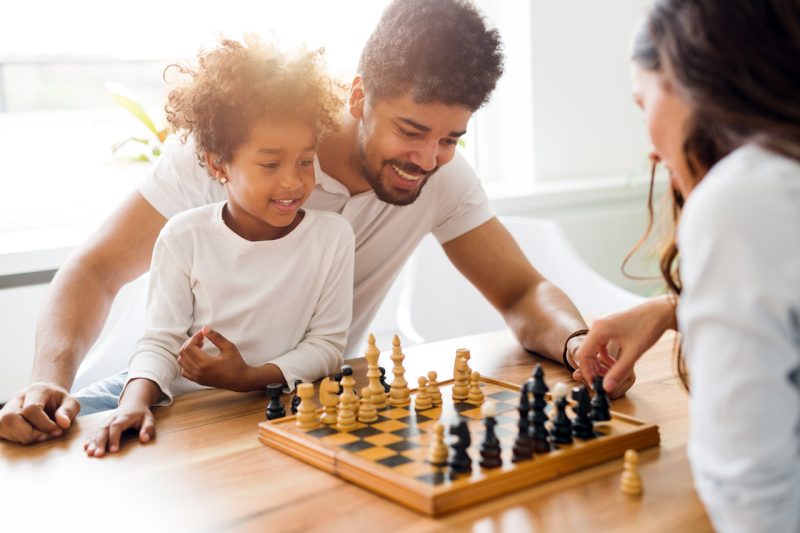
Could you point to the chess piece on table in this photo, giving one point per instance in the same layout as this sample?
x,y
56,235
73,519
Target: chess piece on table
x,y
582,426
475,393
538,418
386,386
460,389
275,407
296,399
399,393
461,461
329,398
367,412
378,395
490,448
463,353
346,417
631,483
337,377
306,412
561,431
433,389
522,443
438,452
600,404
422,400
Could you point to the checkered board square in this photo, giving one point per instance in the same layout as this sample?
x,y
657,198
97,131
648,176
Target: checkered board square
x,y
389,456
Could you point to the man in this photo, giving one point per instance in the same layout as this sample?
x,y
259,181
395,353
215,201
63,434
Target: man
x,y
392,170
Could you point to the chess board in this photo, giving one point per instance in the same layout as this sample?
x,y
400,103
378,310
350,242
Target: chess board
x,y
388,456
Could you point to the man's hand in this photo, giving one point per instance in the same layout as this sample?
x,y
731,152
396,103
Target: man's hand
x,y
40,412
108,435
224,371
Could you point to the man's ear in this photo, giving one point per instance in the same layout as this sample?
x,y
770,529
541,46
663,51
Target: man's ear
x,y
357,97
215,167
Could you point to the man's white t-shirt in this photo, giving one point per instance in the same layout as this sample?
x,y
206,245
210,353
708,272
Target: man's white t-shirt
x,y
739,314
286,301
450,204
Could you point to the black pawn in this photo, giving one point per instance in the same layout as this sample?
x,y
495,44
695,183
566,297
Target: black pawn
x,y
461,461
296,400
562,426
490,448
522,444
386,386
582,426
275,407
600,406
338,379
538,431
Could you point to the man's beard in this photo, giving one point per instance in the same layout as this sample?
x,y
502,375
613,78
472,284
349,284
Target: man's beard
x,y
384,194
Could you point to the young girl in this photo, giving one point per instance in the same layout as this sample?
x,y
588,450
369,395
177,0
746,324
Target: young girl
x,y
719,86
253,290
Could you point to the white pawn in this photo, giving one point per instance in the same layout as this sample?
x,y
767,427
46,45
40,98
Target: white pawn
x,y
475,393
631,483
438,452
306,413
433,389
422,401
366,409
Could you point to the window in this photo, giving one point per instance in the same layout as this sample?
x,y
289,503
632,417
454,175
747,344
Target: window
x,y
58,120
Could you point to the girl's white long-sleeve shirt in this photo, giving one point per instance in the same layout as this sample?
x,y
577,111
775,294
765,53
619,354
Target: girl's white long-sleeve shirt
x,y
739,313
286,301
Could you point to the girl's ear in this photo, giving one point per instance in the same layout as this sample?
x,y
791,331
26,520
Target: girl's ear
x,y
357,97
216,167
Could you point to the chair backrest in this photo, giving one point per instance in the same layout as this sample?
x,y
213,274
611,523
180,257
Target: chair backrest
x,y
437,302
115,345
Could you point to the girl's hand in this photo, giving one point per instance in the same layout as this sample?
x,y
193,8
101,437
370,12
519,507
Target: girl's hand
x,y
224,371
107,437
633,332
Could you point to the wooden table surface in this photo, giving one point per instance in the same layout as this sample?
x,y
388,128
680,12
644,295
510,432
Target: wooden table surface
x,y
206,470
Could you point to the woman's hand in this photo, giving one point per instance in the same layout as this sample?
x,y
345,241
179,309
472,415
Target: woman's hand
x,y
630,333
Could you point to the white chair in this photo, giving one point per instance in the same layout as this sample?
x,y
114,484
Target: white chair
x,y
436,302
114,347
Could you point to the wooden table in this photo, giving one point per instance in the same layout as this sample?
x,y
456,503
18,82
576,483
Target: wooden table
x,y
207,472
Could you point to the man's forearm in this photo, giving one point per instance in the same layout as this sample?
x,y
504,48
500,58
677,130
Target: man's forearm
x,y
70,321
543,319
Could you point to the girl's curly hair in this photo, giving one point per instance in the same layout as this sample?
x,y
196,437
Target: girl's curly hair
x,y
238,83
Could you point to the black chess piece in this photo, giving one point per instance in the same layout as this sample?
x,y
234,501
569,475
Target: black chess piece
x,y
562,425
600,405
582,426
461,462
275,407
386,386
522,444
338,379
538,431
296,399
490,448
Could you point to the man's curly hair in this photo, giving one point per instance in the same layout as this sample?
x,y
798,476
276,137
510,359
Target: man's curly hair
x,y
439,50
239,83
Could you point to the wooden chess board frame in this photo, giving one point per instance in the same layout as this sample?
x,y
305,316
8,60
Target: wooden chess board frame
x,y
451,493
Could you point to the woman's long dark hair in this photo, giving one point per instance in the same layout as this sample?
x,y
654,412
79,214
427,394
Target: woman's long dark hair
x,y
737,63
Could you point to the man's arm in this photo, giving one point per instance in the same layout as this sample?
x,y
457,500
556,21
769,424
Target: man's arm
x,y
539,314
74,313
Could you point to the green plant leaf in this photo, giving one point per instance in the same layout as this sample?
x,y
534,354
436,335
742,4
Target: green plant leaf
x,y
118,93
118,145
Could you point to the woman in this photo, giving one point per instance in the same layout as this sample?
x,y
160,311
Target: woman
x,y
719,84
